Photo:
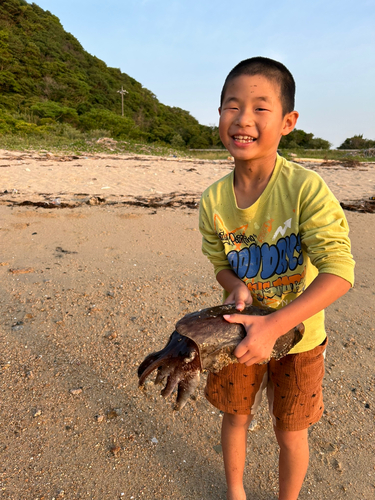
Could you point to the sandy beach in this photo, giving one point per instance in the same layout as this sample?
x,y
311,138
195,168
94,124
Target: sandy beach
x,y
99,257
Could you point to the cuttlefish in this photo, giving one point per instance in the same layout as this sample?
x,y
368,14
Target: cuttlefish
x,y
204,340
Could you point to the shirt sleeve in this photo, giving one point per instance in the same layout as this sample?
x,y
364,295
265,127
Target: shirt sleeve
x,y
212,246
325,231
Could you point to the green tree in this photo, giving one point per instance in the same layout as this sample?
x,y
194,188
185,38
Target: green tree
x,y
357,142
301,139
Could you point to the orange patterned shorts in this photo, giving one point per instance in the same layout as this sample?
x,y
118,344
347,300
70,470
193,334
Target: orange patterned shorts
x,y
294,388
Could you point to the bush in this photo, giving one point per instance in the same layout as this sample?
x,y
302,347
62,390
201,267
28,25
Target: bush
x,y
12,125
102,118
64,130
177,141
55,111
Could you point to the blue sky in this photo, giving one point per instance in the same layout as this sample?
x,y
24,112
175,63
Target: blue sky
x,y
182,51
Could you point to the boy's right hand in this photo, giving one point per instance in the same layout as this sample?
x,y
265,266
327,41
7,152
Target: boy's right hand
x,y
240,296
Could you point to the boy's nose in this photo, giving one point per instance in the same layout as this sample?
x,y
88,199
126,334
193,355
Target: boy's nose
x,y
245,119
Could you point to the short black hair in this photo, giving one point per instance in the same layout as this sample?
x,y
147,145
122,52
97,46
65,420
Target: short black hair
x,y
274,71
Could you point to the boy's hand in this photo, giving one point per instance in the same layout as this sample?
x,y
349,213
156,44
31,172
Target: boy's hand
x,y
260,338
240,296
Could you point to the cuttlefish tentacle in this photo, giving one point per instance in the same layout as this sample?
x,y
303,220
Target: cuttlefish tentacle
x,y
186,388
162,374
168,359
150,364
172,381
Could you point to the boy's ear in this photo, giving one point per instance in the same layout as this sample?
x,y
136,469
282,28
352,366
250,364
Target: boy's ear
x,y
290,120
219,111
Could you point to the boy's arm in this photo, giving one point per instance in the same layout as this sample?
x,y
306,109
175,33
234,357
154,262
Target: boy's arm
x,y
262,331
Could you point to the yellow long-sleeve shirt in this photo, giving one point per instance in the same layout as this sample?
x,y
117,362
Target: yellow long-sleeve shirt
x,y
295,230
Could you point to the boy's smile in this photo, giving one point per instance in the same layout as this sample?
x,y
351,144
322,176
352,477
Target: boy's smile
x,y
251,118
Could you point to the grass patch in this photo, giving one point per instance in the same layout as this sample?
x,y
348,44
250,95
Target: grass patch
x,y
326,154
84,144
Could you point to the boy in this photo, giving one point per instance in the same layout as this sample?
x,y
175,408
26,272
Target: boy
x,y
272,230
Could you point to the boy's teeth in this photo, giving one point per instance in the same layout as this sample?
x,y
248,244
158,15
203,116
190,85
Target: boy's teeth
x,y
244,138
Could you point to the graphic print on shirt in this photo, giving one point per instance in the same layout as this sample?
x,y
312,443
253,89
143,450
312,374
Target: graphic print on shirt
x,y
266,268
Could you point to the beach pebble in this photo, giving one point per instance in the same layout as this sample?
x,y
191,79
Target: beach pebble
x,y
94,309
253,425
115,412
337,465
17,327
60,494
111,335
75,392
115,450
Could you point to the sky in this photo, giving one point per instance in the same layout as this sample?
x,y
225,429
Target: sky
x,y
182,51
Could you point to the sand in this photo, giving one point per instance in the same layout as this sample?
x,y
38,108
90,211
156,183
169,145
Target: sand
x,y
99,256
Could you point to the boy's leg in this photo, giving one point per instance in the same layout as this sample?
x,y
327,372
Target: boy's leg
x,y
237,391
234,442
296,402
293,462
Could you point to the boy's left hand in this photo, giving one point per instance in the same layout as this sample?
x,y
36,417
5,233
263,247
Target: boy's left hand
x,y
260,338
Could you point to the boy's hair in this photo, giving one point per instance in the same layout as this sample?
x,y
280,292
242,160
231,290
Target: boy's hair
x,y
274,71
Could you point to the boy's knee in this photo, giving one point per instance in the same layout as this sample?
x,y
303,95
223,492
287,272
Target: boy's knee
x,y
290,440
237,420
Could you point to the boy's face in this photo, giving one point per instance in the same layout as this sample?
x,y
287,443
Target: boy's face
x,y
251,118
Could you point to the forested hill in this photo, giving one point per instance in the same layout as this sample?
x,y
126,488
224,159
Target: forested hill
x,y
46,77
